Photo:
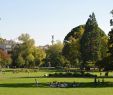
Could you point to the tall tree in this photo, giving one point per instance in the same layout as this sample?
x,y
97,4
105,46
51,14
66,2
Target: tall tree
x,y
39,56
72,45
26,48
90,42
54,55
21,52
110,42
26,54
110,46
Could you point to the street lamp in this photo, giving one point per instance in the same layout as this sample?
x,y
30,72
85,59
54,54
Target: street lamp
x,y
111,20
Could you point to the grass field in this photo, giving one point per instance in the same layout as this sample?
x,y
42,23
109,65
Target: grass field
x,y
23,83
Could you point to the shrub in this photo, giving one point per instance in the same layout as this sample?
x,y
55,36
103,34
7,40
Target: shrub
x,y
70,74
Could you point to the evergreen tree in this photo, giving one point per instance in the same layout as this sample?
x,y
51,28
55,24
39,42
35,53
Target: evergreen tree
x,y
110,42
90,42
109,65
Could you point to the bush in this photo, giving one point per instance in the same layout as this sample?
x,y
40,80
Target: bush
x,y
70,74
89,75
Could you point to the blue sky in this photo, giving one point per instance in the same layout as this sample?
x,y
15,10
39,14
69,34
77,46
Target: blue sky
x,y
43,18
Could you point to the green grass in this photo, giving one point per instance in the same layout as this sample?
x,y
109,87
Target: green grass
x,y
23,83
56,91
102,73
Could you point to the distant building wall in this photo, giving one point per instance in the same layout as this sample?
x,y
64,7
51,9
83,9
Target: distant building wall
x,y
7,45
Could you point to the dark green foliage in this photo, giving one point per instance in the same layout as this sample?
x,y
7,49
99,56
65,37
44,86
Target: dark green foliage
x,y
75,33
71,48
105,63
90,42
86,43
75,74
110,42
72,52
54,56
110,46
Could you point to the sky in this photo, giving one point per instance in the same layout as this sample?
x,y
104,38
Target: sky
x,y
43,18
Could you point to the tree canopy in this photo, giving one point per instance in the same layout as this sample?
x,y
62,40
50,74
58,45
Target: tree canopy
x,y
54,55
87,43
25,54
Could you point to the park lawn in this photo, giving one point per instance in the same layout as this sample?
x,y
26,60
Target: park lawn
x,y
24,84
102,73
21,74
56,91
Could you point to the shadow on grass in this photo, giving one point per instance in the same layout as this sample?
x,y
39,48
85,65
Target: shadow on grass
x,y
96,85
46,85
24,85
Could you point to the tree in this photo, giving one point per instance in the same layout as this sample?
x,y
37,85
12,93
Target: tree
x,y
26,49
110,46
76,44
110,42
20,61
39,56
16,52
54,55
71,48
22,52
72,52
26,54
91,41
5,59
30,60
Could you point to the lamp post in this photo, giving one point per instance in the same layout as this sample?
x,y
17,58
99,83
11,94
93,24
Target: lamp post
x,y
111,20
52,39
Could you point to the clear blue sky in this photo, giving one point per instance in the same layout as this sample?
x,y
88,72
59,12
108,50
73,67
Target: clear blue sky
x,y
43,18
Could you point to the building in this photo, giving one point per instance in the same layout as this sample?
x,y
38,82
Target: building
x,y
44,47
7,45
